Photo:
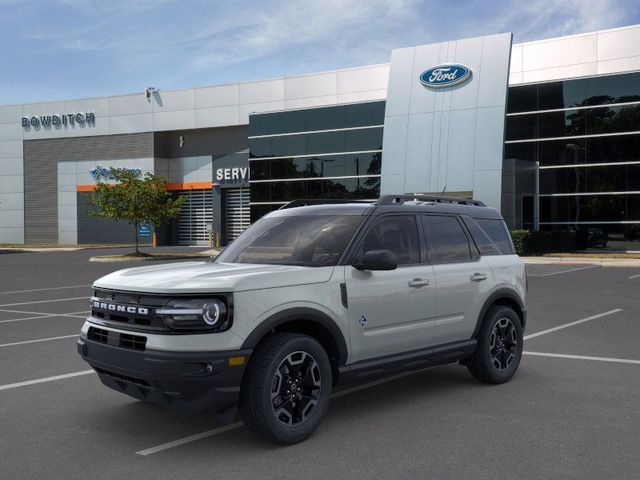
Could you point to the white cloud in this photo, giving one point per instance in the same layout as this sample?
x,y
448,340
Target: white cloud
x,y
338,27
176,43
540,19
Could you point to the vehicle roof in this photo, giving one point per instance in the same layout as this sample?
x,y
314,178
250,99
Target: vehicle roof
x,y
326,209
361,208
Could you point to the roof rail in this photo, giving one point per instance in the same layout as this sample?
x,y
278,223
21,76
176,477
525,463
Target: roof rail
x,y
316,201
400,199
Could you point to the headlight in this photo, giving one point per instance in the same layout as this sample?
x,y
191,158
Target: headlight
x,y
209,314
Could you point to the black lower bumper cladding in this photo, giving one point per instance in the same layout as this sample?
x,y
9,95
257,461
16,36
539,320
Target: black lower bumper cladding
x,y
203,382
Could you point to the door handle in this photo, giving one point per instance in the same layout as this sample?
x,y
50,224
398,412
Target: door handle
x,y
418,282
478,277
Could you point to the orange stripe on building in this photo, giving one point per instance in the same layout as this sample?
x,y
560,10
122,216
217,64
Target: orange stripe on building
x,y
189,185
170,186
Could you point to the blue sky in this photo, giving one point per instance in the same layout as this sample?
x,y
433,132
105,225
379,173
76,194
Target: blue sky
x,y
65,49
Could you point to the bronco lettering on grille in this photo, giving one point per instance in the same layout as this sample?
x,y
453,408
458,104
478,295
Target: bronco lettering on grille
x,y
113,307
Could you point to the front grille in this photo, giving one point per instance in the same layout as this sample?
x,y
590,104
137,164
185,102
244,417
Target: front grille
x,y
129,310
116,339
134,342
98,335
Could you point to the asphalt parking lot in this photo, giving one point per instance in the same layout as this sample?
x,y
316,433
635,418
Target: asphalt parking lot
x,y
570,412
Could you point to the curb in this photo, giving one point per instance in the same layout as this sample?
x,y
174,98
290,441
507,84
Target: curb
x,y
603,262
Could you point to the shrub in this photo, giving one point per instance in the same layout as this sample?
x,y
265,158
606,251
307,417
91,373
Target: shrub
x,y
532,242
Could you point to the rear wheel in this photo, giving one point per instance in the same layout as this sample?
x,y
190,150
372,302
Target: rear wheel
x,y
499,347
286,389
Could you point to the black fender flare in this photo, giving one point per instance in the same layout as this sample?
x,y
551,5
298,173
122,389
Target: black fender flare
x,y
502,293
297,314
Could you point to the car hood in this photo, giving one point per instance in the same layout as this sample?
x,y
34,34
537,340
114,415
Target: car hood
x,y
206,277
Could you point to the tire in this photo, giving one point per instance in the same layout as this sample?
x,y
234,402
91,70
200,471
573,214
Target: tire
x,y
499,348
297,370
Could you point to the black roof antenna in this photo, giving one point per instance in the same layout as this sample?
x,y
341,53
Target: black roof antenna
x,y
443,190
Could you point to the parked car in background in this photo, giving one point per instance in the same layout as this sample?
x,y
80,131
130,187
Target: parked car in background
x,y
597,238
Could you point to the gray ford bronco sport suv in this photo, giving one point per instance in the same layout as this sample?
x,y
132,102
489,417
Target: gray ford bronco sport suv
x,y
310,296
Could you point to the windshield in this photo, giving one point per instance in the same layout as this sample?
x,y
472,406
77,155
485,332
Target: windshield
x,y
310,241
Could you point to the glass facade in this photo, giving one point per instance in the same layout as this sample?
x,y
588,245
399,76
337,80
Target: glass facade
x,y
579,142
329,152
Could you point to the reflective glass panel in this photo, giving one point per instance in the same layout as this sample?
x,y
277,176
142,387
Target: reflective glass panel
x,y
614,178
613,119
590,208
561,124
562,152
323,118
522,99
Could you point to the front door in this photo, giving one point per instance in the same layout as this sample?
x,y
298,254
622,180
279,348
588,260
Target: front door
x,y
391,311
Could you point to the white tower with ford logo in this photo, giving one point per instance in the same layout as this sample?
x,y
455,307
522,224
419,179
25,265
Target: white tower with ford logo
x,y
444,119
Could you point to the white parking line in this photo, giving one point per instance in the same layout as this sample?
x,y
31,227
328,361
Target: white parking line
x,y
36,341
42,315
46,379
189,439
571,324
563,271
634,276
233,426
43,289
45,301
581,357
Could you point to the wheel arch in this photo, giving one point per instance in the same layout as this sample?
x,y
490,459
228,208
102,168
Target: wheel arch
x,y
507,298
307,321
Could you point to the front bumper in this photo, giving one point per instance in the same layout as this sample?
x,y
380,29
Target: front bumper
x,y
192,381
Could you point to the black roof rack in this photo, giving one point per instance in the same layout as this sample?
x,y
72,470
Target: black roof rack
x,y
400,199
315,201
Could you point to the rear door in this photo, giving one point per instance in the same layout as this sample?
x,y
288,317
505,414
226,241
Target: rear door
x,y
462,277
391,311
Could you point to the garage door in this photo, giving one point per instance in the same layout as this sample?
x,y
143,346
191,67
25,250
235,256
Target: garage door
x,y
196,216
238,213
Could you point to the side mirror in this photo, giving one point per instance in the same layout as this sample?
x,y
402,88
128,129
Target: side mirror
x,y
377,260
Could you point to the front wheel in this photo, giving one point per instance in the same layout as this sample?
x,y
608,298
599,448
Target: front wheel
x,y
499,347
286,389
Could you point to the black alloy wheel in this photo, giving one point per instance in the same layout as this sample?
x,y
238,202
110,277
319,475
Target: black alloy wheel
x,y
286,388
296,388
499,347
504,344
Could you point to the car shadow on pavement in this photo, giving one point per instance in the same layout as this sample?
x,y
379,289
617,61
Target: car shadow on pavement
x,y
147,425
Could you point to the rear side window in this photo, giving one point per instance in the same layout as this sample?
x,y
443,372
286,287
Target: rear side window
x,y
497,231
447,241
486,246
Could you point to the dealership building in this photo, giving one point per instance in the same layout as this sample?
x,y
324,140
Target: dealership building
x,y
548,132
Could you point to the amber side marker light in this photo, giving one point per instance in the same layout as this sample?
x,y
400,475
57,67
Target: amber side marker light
x,y
236,361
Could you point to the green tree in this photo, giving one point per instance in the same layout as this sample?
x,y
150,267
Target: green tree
x,y
136,199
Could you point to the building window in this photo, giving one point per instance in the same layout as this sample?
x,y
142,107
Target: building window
x,y
329,152
581,138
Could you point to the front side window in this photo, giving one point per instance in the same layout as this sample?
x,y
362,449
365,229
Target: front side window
x,y
311,241
398,234
448,242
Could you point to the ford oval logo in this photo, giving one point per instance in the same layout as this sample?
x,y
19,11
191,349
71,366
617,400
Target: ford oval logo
x,y
442,76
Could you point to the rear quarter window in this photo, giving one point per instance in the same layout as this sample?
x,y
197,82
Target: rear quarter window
x,y
498,233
